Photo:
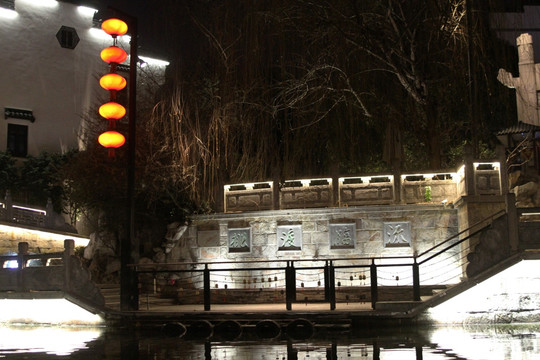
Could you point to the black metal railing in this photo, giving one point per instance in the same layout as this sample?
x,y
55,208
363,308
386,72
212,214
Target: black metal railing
x,y
332,281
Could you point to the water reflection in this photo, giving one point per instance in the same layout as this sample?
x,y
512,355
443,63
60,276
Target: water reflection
x,y
18,341
459,343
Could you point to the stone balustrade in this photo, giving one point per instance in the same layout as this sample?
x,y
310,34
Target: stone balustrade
x,y
30,215
63,271
481,178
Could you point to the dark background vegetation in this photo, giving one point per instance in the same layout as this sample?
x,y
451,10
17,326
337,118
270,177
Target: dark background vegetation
x,y
278,89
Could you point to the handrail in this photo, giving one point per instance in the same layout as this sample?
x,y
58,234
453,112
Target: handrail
x,y
492,216
31,256
367,258
454,244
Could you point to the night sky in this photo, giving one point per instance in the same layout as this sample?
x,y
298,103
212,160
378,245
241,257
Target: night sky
x,y
150,43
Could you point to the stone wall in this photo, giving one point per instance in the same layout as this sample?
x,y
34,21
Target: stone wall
x,y
39,241
511,296
370,231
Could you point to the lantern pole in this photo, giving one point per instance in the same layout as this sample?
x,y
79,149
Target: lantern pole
x,y
131,299
129,248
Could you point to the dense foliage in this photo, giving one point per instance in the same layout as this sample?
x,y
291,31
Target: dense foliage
x,y
278,89
36,179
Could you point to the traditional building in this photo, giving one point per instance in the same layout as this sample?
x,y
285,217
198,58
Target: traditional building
x,y
50,69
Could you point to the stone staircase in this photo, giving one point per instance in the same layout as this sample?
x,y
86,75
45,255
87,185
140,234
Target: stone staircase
x,y
111,293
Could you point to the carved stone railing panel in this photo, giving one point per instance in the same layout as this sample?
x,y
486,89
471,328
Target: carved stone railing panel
x,y
442,187
249,197
487,179
429,188
366,190
27,216
306,194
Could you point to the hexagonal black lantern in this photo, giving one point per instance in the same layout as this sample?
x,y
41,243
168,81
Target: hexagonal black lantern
x,y
67,37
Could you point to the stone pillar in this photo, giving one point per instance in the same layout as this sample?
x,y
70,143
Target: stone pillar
x,y
49,214
275,190
503,170
9,206
69,251
398,186
21,261
527,98
220,198
335,185
525,85
470,186
509,200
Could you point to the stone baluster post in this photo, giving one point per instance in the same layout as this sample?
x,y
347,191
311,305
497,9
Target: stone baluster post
x,y
470,181
21,263
335,185
9,206
49,214
69,251
510,201
398,186
275,189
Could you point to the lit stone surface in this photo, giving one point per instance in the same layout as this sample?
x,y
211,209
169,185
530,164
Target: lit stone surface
x,y
510,296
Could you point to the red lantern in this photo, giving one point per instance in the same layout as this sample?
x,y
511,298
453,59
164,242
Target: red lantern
x,y
112,82
114,27
112,110
113,54
111,139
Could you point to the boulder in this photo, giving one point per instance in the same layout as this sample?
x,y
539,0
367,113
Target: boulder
x,y
526,191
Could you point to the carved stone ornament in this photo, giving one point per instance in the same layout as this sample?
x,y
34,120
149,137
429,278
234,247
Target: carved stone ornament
x,y
342,236
397,234
289,237
239,240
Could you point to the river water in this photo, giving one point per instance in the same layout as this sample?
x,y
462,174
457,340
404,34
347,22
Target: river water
x,y
460,343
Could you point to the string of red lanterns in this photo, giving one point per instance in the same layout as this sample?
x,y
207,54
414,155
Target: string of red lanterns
x,y
112,82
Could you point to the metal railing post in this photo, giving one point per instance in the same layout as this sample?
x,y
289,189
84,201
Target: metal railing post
x,y
206,280
326,282
332,286
374,289
290,284
416,281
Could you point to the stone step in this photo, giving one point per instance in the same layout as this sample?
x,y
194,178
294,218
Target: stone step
x,y
396,305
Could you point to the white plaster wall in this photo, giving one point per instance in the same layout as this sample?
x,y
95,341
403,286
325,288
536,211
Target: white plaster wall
x,y
59,85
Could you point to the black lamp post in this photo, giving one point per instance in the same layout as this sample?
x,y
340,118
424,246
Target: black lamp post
x,y
129,249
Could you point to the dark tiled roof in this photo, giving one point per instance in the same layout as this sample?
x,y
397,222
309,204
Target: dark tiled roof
x,y
519,128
